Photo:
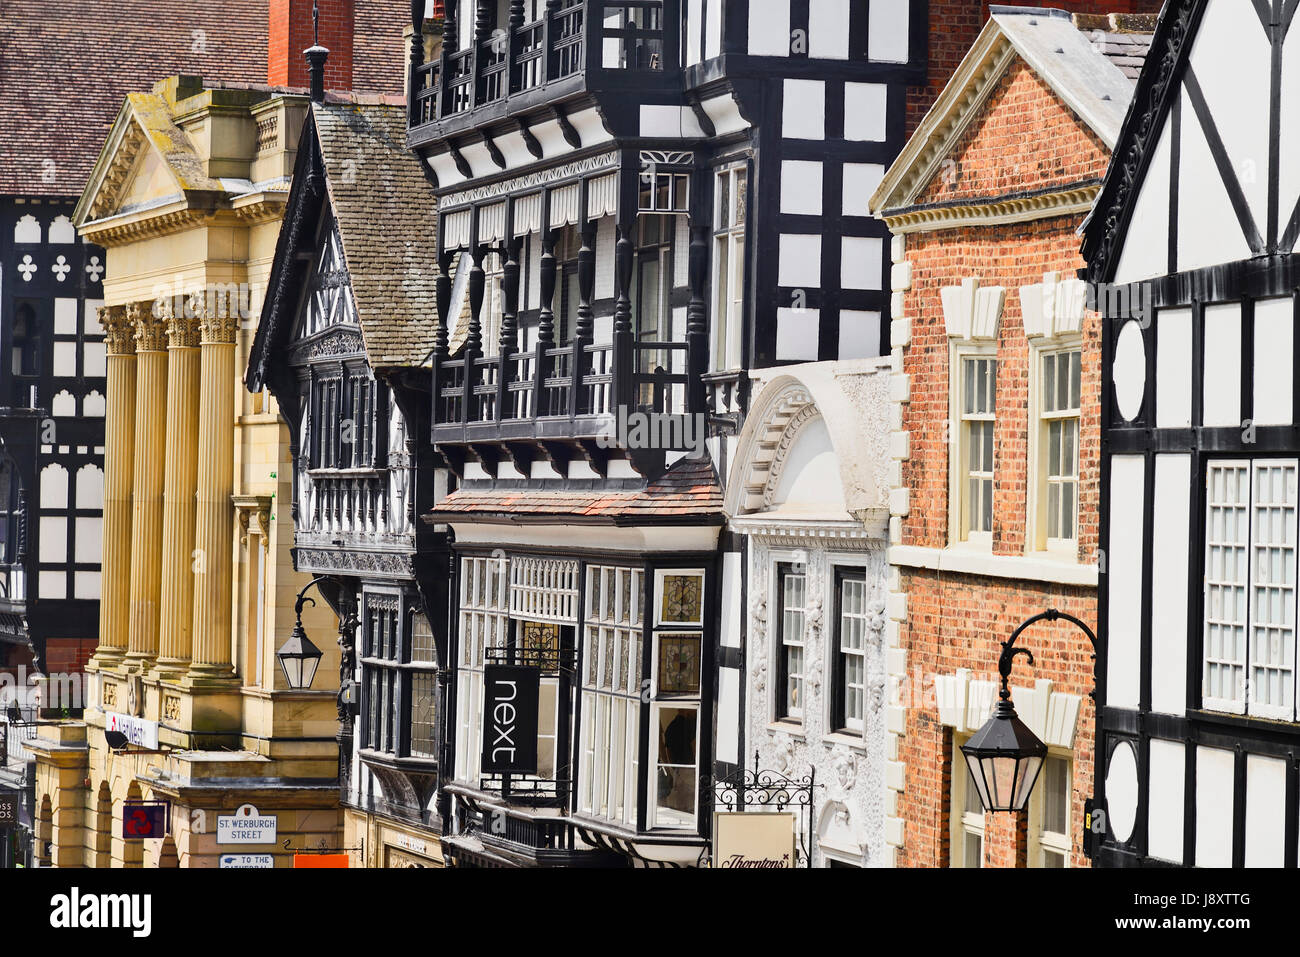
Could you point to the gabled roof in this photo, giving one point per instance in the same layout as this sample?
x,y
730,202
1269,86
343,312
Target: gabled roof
x,y
1074,64
384,209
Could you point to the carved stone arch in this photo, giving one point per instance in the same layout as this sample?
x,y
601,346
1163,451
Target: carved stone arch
x,y
783,408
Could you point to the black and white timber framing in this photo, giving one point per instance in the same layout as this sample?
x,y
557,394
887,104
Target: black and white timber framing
x,y
1192,253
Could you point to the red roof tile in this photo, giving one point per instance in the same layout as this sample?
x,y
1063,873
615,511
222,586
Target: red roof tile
x,y
688,490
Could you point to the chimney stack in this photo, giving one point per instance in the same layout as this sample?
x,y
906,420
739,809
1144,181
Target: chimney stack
x,y
291,35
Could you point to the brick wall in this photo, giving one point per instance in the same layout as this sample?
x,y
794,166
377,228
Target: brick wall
x,y
956,621
1023,139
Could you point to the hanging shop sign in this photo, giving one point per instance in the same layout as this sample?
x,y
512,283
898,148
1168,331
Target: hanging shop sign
x,y
246,861
144,820
9,804
139,731
510,700
753,839
320,860
246,826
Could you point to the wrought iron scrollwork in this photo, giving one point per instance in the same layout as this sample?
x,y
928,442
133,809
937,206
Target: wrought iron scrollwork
x,y
752,788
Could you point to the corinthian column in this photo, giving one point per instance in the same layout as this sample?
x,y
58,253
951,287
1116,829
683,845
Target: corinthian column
x,y
147,506
214,525
119,449
180,475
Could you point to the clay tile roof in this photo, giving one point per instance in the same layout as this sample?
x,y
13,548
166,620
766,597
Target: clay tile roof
x,y
385,212
689,491
66,67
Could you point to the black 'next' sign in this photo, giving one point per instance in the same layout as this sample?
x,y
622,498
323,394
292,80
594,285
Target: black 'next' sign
x,y
510,696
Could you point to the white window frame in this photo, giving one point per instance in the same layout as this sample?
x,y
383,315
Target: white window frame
x,y
1042,841
653,815
495,611
1037,524
779,712
726,340
1217,537
958,450
963,824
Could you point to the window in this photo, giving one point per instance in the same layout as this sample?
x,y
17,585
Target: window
x,y
966,815
398,678
1250,588
1058,450
730,192
848,704
484,585
790,650
975,453
1049,815
675,703
348,409
651,298
611,694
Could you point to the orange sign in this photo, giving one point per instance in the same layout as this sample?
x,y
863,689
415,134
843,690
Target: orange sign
x,y
320,860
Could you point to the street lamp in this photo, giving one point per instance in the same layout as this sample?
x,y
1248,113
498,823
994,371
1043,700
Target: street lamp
x,y
299,658
1005,756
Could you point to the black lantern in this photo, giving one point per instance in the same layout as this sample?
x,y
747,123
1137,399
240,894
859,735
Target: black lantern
x,y
1005,756
299,659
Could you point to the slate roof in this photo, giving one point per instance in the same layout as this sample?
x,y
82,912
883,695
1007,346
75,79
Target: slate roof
x,y
385,210
66,67
1123,38
689,490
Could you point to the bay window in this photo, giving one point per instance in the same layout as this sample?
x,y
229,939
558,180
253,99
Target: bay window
x,y
398,677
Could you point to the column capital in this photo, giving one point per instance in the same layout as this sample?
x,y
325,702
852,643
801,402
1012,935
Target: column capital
x,y
119,333
182,330
218,323
150,328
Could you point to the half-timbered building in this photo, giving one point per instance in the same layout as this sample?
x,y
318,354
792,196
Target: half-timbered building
x,y
614,258
347,323
1192,255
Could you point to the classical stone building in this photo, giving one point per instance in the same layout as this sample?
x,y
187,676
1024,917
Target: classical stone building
x,y
199,589
995,441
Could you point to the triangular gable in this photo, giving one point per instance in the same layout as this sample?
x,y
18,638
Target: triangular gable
x,y
146,160
1199,178
1048,43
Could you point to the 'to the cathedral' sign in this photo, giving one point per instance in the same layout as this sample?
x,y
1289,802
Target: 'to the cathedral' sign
x,y
510,697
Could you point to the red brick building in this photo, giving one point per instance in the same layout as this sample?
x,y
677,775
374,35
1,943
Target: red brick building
x,y
994,498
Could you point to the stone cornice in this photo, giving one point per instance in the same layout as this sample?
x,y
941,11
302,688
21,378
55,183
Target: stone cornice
x,y
1073,200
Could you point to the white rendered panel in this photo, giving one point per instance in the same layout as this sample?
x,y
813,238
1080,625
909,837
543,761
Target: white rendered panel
x,y
1169,577
1222,377
1166,777
888,34
1209,232
1265,811
769,28
1124,573
1145,250
1174,369
803,115
1274,361
1214,778
828,29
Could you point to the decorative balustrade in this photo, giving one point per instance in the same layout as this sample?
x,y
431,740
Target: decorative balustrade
x,y
574,37
345,502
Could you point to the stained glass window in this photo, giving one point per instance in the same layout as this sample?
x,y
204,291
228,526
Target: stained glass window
x,y
683,599
679,664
